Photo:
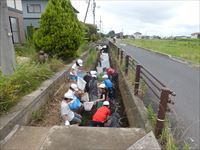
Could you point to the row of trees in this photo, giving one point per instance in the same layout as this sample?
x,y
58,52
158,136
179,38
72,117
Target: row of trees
x,y
60,33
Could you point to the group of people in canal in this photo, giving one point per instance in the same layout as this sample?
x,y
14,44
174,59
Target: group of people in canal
x,y
98,96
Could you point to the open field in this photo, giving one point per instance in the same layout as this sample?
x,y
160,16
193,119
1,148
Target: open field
x,y
188,49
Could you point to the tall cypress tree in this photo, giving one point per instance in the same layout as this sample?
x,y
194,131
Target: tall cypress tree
x,y
60,32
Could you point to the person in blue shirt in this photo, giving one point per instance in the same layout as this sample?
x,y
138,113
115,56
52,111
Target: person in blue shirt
x,y
109,86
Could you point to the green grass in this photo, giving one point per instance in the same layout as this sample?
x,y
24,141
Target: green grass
x,y
91,59
26,50
188,49
83,48
25,79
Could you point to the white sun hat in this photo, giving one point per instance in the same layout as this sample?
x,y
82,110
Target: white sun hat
x,y
105,76
74,86
106,103
102,85
93,72
80,62
68,95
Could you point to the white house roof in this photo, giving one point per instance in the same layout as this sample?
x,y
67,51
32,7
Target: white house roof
x,y
137,33
196,33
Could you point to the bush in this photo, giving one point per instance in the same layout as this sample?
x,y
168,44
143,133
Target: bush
x,y
60,32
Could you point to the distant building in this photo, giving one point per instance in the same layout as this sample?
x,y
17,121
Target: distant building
x,y
195,35
32,10
145,37
16,20
181,37
137,35
155,37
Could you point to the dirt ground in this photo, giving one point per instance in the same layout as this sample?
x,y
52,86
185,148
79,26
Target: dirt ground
x,y
49,115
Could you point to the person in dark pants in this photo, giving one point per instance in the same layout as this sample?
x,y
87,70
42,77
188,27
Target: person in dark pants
x,y
101,115
87,79
93,88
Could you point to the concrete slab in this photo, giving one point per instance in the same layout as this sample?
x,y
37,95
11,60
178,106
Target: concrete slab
x,y
72,138
27,138
147,142
75,138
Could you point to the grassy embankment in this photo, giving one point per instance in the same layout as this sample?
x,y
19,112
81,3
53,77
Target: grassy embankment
x,y
188,49
28,75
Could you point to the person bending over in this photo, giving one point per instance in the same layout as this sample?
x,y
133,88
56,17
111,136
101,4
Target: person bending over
x,y
67,115
101,115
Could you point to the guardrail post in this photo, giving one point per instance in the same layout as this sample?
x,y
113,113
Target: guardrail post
x,y
137,79
164,98
118,53
126,64
121,59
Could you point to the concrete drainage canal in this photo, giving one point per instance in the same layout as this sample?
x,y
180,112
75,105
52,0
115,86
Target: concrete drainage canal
x,y
49,114
29,126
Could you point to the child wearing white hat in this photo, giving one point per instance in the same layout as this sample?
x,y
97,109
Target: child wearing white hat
x,y
67,115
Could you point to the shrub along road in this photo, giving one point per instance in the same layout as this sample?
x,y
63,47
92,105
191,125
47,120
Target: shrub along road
x,y
182,79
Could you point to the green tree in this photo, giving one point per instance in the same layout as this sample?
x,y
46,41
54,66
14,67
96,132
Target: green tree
x,y
60,32
91,32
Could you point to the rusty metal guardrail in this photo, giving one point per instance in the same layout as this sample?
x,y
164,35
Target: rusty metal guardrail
x,y
160,90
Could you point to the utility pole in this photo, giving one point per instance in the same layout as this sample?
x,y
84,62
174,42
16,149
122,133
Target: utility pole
x,y
7,54
94,6
100,24
87,11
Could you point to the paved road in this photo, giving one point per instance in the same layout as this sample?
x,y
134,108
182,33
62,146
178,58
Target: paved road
x,y
182,79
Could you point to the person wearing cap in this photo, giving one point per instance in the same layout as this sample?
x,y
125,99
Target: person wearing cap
x,y
75,69
75,105
112,74
93,89
103,95
87,79
101,115
109,86
67,115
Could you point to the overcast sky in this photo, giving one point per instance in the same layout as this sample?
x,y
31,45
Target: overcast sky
x,y
157,17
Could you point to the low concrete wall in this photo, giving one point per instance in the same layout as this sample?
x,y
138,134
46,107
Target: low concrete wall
x,y
22,112
134,107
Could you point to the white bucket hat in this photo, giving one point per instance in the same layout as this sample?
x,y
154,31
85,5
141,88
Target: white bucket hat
x,y
74,86
105,76
102,86
93,72
106,103
68,95
80,62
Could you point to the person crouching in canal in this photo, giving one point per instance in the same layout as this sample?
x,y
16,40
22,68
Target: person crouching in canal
x,y
103,95
109,86
67,115
101,115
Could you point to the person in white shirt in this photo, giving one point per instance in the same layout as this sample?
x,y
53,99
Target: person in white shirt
x,y
67,115
75,104
74,70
